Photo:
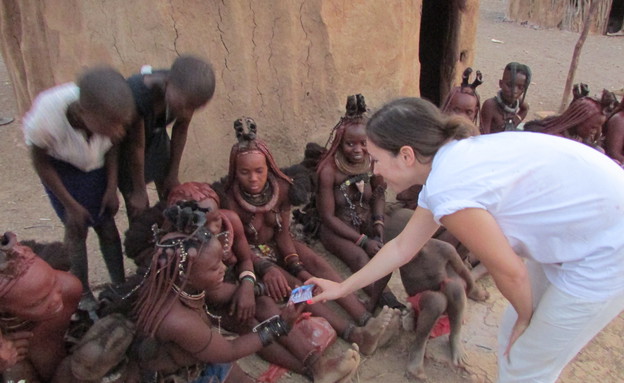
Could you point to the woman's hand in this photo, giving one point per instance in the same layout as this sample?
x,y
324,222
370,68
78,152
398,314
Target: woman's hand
x,y
243,302
291,312
518,329
325,290
276,284
372,247
14,348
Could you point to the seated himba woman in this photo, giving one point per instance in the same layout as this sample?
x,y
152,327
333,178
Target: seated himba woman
x,y
36,305
464,100
294,352
582,122
257,191
177,338
614,134
351,200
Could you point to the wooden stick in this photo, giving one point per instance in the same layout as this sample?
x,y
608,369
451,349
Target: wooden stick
x,y
577,53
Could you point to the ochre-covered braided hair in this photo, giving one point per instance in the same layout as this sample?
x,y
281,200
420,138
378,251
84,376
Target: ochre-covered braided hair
x,y
355,115
248,141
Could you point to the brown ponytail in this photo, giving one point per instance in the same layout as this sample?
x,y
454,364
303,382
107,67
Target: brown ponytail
x,y
417,123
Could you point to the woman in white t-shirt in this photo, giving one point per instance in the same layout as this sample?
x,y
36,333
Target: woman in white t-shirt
x,y
544,214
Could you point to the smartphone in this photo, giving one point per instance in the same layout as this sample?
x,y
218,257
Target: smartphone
x,y
301,293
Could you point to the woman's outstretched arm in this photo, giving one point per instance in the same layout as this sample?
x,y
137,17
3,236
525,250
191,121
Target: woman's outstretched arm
x,y
393,255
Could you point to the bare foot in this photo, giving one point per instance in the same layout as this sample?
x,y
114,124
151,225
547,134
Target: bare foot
x,y
408,318
367,337
478,294
416,367
457,352
392,329
337,370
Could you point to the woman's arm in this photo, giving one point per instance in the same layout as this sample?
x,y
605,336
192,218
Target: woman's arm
x,y
524,110
326,206
243,300
240,246
393,255
615,137
378,205
479,232
192,334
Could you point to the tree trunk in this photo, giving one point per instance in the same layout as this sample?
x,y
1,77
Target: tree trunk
x,y
577,53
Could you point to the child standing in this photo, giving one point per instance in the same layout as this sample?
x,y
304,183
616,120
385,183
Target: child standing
x,y
148,154
507,109
71,130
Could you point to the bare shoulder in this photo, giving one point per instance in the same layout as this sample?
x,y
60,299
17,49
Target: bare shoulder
x,y
327,173
489,104
231,215
178,323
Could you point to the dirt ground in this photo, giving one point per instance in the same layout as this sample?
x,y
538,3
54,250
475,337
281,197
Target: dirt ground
x,y
27,211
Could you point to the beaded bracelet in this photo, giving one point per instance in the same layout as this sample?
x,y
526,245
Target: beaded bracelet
x,y
295,267
378,217
260,289
263,266
361,242
247,273
270,329
289,256
379,222
248,278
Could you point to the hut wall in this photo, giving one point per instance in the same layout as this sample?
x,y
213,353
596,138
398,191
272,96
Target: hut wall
x,y
563,14
288,64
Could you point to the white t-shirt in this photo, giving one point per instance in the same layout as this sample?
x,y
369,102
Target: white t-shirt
x,y
46,126
558,202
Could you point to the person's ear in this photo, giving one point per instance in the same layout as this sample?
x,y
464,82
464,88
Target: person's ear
x,y
407,155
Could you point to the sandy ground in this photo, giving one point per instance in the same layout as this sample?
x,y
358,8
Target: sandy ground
x,y
27,211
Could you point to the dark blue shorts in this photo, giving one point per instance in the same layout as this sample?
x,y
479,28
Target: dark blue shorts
x,y
87,188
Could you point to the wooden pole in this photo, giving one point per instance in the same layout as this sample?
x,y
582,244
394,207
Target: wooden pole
x,y
577,53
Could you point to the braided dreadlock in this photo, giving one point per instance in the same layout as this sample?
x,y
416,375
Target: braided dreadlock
x,y
249,142
355,115
465,88
183,229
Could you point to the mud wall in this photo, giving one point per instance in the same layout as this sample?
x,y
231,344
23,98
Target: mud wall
x,y
288,64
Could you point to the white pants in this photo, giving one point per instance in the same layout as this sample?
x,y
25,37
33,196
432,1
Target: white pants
x,y
560,327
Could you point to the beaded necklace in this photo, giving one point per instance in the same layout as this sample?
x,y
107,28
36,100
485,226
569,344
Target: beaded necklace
x,y
271,190
361,175
196,302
